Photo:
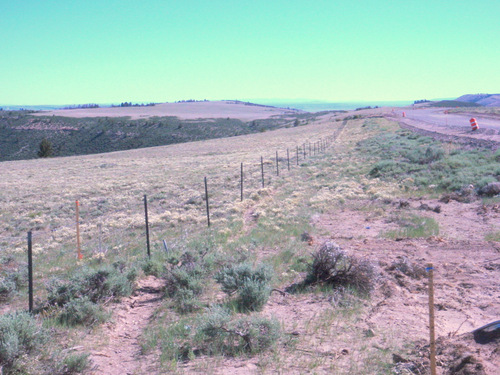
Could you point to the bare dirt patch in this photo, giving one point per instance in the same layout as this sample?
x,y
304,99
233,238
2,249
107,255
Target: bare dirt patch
x,y
467,270
116,349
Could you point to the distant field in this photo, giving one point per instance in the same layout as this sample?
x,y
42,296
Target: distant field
x,y
186,111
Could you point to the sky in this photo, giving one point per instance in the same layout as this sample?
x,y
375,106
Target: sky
x,y
110,51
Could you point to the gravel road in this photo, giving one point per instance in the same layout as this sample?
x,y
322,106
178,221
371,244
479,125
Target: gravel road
x,y
450,127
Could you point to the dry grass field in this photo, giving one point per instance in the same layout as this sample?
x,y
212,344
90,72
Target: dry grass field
x,y
330,196
185,111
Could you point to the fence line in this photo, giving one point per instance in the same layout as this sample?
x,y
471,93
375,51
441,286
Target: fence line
x,y
104,239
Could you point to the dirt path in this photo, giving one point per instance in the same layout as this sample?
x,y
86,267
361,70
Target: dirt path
x,y
119,352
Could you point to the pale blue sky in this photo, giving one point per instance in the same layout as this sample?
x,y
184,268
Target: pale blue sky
x,y
69,52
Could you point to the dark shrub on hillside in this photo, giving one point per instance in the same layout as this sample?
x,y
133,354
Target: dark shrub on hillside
x,y
334,267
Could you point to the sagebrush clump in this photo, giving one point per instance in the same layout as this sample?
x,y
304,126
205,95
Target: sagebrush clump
x,y
80,297
99,284
250,284
219,333
82,311
19,334
6,289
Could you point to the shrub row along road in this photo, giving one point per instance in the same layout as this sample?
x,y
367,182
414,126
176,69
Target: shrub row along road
x,y
451,124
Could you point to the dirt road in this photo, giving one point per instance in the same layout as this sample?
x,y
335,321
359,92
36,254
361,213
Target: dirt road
x,y
452,126
440,117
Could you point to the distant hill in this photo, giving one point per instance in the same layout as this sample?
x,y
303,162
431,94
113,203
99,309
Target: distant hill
x,y
454,103
487,100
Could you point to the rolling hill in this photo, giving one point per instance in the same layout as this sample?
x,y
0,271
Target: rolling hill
x,y
487,100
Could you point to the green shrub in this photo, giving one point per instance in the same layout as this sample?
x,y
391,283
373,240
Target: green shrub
x,y
257,334
252,295
232,278
75,363
211,329
96,284
496,156
19,276
6,289
385,167
187,277
218,334
19,334
419,156
251,285
185,301
151,267
81,311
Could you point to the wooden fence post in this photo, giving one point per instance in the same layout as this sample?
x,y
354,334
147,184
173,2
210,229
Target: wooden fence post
x,y
430,269
30,274
288,158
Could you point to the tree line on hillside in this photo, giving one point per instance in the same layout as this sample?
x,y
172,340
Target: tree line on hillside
x,y
130,104
82,106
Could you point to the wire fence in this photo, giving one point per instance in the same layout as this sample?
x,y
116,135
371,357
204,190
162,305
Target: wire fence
x,y
89,231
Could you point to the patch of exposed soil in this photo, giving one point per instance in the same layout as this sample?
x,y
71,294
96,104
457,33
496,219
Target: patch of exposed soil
x,y
467,270
116,351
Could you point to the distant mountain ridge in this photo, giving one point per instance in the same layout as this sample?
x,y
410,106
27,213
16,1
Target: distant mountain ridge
x,y
487,100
